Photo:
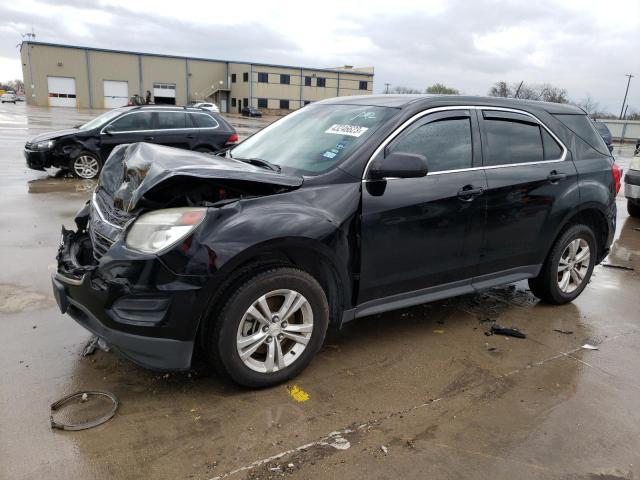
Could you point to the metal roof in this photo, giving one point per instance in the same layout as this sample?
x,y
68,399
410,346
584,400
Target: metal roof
x,y
180,57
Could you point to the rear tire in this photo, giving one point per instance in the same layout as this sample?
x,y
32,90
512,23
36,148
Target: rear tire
x,y
568,267
285,338
633,209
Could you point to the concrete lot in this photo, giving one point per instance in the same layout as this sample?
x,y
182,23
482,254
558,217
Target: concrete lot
x,y
443,399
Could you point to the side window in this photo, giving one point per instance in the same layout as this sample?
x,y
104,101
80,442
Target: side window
x,y
445,143
202,120
510,141
133,122
167,120
583,128
552,150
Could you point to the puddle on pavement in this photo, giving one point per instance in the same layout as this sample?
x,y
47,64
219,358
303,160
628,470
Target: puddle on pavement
x,y
61,185
14,299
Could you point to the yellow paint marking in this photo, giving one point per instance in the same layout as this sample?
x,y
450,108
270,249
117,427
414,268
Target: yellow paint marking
x,y
439,331
298,394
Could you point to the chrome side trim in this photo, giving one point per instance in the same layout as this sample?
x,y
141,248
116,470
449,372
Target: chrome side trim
x,y
419,115
95,206
70,281
160,129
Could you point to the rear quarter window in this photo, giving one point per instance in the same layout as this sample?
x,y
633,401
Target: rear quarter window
x,y
584,128
202,120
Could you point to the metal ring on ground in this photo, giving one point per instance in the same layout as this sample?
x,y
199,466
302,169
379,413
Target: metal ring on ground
x,y
91,423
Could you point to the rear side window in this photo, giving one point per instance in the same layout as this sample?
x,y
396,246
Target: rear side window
x,y
167,120
202,120
445,143
583,128
552,150
132,122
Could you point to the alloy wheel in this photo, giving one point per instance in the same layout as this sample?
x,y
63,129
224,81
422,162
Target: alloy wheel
x,y
274,331
86,166
573,265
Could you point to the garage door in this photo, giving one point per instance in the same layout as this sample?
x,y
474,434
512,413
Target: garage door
x,y
164,93
116,94
62,91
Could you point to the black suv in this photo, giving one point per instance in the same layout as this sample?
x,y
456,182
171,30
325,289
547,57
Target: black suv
x,y
345,208
83,149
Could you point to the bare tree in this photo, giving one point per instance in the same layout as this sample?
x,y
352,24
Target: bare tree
x,y
588,104
439,88
16,85
544,92
401,89
501,89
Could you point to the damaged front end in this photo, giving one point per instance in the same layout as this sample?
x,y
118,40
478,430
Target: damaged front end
x,y
146,303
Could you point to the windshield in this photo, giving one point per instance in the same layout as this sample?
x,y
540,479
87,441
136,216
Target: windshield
x,y
315,138
101,119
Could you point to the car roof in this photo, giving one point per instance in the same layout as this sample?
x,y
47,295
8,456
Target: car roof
x,y
191,108
403,101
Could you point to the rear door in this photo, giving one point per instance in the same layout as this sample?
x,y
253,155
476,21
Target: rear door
x,y
532,184
211,133
174,129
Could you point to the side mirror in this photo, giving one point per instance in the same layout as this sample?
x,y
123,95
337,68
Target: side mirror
x,y
400,165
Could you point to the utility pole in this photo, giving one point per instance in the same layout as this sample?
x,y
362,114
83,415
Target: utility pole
x,y
625,94
387,88
518,90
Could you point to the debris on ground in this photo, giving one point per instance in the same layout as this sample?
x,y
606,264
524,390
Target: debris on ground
x,y
509,332
439,331
298,394
411,444
93,344
384,449
84,398
619,267
588,346
492,349
565,332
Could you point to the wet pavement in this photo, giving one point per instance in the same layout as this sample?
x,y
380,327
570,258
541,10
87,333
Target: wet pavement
x,y
415,393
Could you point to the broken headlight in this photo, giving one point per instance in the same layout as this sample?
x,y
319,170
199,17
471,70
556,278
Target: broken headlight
x,y
156,231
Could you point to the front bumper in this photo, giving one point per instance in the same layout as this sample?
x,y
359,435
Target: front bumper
x,y
139,306
632,184
37,160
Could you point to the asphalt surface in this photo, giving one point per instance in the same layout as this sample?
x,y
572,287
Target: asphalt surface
x,y
415,393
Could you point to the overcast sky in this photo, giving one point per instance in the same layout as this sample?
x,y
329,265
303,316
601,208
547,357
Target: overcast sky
x,y
585,46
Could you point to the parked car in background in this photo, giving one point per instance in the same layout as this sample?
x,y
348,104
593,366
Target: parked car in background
x,y
632,186
250,112
8,97
84,149
21,98
605,133
345,208
212,107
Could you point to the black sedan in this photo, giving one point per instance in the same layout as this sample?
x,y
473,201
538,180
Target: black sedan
x,y
84,149
251,112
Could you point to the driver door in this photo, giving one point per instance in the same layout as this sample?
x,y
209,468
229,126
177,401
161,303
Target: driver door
x,y
128,128
425,233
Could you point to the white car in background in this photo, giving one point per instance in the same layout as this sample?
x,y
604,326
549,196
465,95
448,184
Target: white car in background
x,y
8,97
212,107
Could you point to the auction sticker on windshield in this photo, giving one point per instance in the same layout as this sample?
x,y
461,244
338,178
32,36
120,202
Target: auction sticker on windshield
x,y
350,130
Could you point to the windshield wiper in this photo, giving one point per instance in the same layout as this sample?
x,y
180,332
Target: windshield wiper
x,y
258,162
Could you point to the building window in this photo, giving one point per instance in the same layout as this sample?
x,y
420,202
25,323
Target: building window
x,y
285,80
263,77
233,102
321,82
307,81
363,85
246,102
262,103
245,77
284,104
233,78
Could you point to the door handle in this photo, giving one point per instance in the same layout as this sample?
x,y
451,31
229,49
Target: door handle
x,y
469,192
148,139
554,176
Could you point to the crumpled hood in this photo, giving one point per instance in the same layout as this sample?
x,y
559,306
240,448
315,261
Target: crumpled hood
x,y
132,170
53,135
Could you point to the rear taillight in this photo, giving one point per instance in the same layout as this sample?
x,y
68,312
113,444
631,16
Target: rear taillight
x,y
233,139
616,171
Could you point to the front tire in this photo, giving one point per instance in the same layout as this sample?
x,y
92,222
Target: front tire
x,y
86,165
568,267
269,329
633,208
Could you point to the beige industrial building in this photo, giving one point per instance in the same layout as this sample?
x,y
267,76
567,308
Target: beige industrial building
x,y
83,77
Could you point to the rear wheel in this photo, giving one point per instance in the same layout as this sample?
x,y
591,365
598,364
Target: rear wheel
x,y
633,208
86,165
269,329
568,267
